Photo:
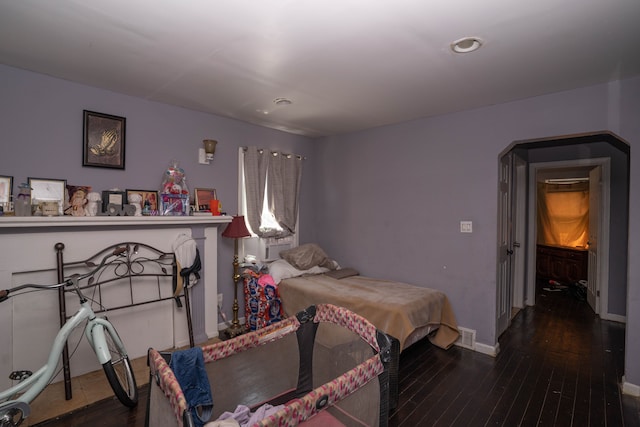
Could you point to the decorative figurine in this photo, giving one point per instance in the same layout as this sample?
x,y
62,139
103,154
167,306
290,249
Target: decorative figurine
x,y
136,200
22,203
147,207
94,200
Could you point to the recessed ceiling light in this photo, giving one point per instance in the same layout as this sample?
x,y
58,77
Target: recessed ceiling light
x,y
282,101
466,45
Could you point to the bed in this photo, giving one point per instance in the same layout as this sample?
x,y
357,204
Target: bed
x,y
407,313
305,275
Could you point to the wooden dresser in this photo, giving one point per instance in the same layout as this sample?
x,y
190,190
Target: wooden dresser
x,y
566,265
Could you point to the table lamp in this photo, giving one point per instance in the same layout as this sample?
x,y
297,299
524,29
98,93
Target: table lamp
x,y
235,230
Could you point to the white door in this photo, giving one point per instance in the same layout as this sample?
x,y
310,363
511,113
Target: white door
x,y
519,221
505,246
595,183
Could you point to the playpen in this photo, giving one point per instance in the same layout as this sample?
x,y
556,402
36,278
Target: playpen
x,y
325,365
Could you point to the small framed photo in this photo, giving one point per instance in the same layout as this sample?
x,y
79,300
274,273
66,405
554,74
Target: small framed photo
x,y
47,192
202,198
104,140
149,202
109,197
77,200
6,188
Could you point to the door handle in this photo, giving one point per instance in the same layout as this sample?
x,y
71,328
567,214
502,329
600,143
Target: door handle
x,y
509,252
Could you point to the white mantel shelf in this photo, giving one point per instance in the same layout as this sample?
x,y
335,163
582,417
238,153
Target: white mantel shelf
x,y
27,256
99,221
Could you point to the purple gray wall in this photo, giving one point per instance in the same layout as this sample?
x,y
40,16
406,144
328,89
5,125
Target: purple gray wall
x,y
41,123
629,106
392,198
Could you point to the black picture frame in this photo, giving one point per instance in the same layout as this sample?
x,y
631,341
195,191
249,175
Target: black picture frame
x,y
103,140
117,198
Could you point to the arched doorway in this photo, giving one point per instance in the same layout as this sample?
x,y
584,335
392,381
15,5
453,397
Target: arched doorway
x,y
516,250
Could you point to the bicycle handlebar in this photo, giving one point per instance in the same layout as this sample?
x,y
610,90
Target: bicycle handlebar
x,y
4,294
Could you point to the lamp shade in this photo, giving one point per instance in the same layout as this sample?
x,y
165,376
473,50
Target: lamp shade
x,y
236,228
210,147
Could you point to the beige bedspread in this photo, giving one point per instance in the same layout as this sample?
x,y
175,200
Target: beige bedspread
x,y
393,307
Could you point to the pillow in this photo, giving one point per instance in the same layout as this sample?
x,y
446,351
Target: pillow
x,y
281,269
342,273
306,256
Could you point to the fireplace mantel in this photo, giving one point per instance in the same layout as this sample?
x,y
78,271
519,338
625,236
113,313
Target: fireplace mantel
x,y
27,255
8,222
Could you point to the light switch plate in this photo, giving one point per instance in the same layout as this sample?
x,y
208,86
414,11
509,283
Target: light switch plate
x,y
466,227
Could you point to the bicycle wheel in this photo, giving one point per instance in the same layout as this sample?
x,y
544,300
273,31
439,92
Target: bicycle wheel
x,y
119,373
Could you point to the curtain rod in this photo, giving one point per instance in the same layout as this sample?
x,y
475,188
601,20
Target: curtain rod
x,y
275,153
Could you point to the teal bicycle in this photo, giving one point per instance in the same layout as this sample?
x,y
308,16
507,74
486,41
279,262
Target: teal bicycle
x,y
103,338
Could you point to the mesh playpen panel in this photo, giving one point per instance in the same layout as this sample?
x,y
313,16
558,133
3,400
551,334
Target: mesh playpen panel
x,y
326,359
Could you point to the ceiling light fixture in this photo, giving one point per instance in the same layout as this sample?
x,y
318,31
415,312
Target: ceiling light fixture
x,y
282,101
466,45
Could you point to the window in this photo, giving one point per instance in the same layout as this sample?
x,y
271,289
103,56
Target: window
x,y
269,184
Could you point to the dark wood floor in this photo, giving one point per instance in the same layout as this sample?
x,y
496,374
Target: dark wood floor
x,y
559,365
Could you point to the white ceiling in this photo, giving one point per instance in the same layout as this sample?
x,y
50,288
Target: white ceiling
x,y
347,65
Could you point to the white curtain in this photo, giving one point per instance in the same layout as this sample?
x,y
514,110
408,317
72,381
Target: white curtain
x,y
280,174
255,165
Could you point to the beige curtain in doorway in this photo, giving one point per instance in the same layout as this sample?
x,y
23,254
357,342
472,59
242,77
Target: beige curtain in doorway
x,y
563,214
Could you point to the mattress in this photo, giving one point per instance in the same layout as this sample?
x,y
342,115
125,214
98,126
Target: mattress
x,y
404,311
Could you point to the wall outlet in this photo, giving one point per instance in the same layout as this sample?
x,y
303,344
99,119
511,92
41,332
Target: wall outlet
x,y
219,300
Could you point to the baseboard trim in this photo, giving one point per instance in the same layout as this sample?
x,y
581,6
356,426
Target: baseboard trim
x,y
631,389
491,350
613,317
183,343
224,325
